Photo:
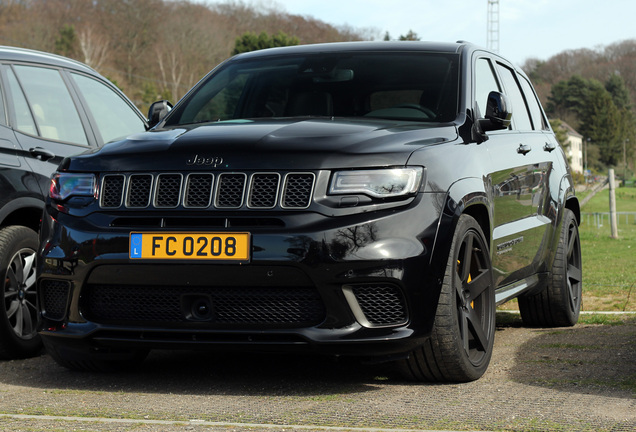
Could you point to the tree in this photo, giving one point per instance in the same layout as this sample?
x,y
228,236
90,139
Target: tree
x,y
181,62
251,42
615,85
601,121
569,96
560,133
66,41
93,47
410,36
165,44
595,112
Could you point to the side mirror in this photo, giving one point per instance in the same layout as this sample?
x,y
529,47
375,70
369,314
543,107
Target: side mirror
x,y
157,111
498,113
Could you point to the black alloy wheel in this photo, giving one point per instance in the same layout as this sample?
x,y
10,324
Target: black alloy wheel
x,y
559,303
460,346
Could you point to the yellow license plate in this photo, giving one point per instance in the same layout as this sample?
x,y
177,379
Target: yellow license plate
x,y
190,246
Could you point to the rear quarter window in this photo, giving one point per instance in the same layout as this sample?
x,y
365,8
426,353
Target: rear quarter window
x,y
538,120
520,116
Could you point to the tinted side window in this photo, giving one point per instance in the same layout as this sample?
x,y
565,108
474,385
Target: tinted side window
x,y
485,82
3,118
520,116
538,121
51,104
113,116
23,117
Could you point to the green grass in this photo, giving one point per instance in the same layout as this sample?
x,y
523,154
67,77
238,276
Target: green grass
x,y
513,319
611,320
625,201
609,265
570,346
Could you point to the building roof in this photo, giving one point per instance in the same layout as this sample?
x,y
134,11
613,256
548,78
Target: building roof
x,y
569,130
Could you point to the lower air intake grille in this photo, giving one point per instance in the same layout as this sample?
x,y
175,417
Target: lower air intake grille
x,y
382,305
273,306
54,296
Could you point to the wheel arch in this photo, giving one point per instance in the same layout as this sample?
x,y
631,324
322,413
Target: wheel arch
x,y
24,211
572,203
465,196
479,211
567,199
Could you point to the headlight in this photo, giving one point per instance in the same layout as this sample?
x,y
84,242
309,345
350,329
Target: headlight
x,y
379,183
65,185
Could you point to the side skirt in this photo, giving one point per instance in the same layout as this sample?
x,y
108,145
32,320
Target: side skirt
x,y
510,291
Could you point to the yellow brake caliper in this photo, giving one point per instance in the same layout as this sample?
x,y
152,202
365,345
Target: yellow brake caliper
x,y
472,303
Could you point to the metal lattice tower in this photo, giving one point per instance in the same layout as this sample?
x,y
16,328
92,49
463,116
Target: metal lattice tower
x,y
493,25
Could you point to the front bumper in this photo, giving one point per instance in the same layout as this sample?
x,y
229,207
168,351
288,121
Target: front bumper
x,y
358,285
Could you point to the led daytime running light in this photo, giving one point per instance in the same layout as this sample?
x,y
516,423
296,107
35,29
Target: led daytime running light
x,y
380,183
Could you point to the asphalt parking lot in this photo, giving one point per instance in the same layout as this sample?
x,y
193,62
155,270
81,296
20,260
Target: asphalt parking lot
x,y
568,379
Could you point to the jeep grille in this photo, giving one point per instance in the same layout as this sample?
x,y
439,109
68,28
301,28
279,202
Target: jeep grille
x,y
207,190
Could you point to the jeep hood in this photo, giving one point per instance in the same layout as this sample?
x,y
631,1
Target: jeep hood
x,y
298,144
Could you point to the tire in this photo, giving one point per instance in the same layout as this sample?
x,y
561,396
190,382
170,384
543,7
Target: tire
x,y
461,343
18,314
95,360
559,303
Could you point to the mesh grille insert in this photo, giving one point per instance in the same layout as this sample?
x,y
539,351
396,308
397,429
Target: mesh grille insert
x,y
139,186
264,190
230,190
381,304
54,296
168,190
199,190
112,191
273,306
298,190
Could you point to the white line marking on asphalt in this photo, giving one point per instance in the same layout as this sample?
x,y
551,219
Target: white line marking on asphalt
x,y
207,423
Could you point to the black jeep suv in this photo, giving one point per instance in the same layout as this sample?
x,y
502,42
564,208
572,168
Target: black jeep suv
x,y
366,199
50,107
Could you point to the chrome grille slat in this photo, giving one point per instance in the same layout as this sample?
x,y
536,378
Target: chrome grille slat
x,y
222,191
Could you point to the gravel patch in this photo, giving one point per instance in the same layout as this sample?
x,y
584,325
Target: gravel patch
x,y
568,379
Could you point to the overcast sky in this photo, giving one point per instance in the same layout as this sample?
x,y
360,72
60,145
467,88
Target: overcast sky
x,y
527,28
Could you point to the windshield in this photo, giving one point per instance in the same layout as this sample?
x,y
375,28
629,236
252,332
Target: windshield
x,y
404,85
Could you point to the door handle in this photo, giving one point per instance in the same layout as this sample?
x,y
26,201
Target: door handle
x,y
41,154
524,149
549,147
